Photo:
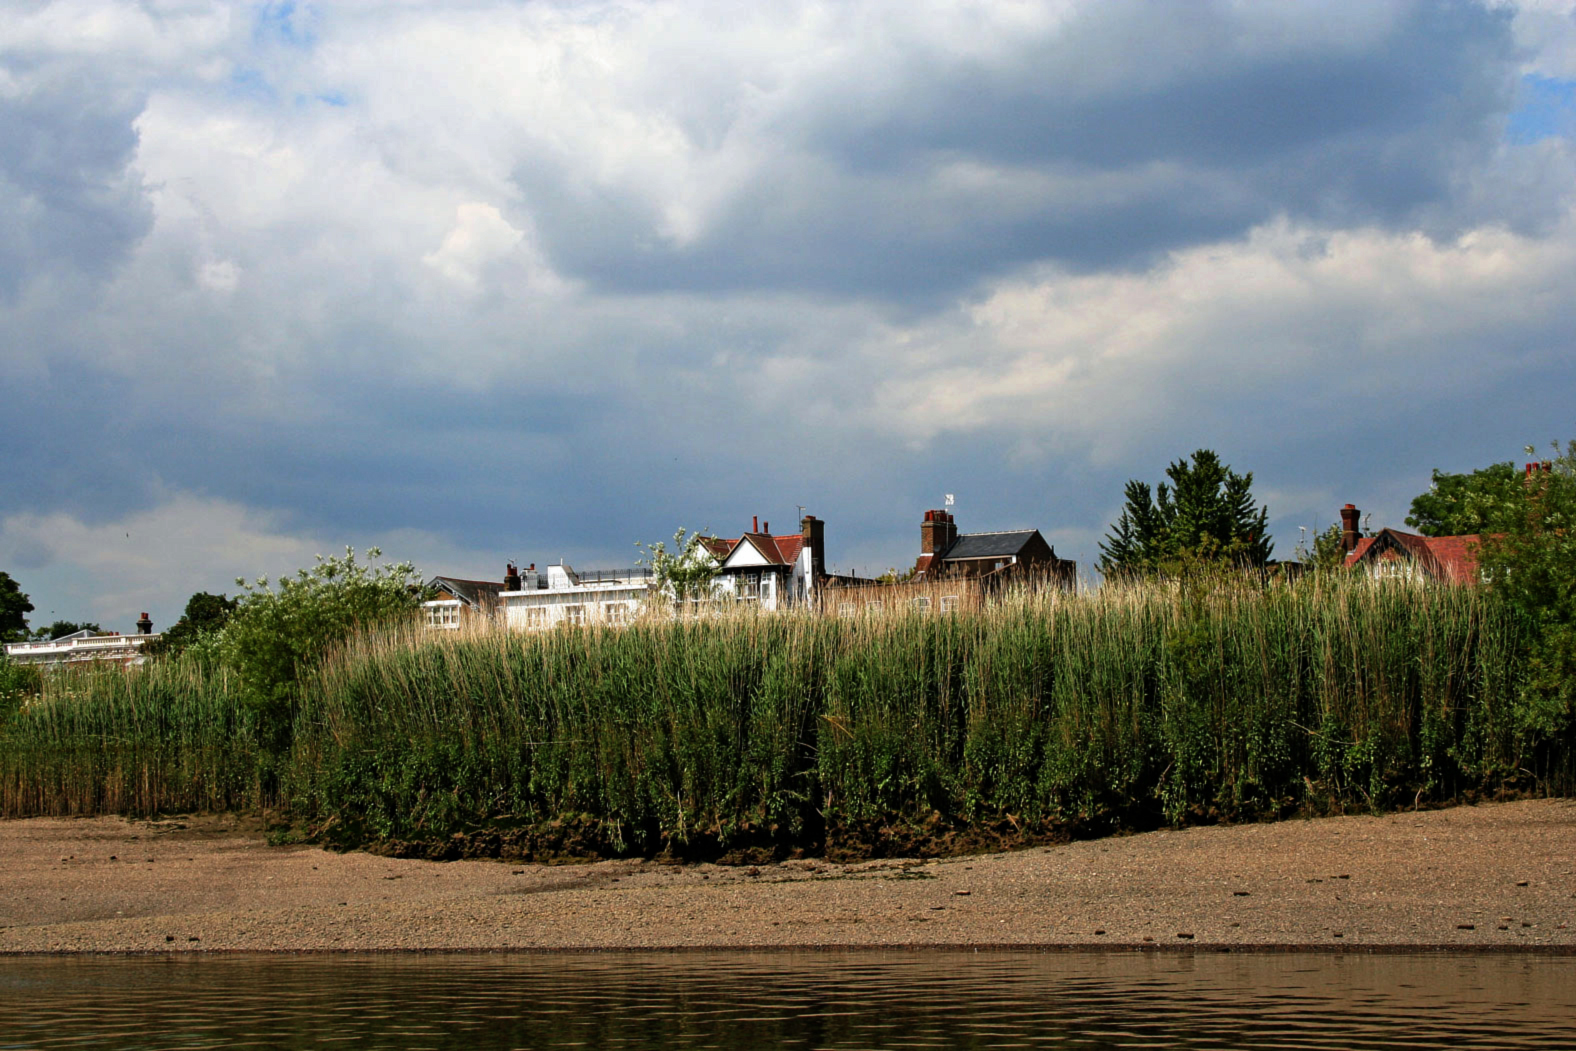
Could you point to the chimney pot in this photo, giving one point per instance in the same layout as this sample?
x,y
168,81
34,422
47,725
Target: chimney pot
x,y
1349,531
755,523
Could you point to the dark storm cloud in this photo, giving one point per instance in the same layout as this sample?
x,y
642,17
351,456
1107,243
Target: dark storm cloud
x,y
1375,128
66,197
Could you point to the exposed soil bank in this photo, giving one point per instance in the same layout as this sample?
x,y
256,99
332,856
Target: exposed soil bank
x,y
1495,876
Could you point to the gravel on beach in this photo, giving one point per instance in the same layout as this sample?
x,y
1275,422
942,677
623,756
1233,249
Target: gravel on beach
x,y
1489,877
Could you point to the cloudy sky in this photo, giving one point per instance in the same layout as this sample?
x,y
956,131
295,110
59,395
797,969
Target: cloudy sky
x,y
534,280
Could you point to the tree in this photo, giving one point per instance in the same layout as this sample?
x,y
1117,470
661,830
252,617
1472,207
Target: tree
x,y
14,608
1207,512
1468,504
206,614
686,574
61,628
1531,562
275,633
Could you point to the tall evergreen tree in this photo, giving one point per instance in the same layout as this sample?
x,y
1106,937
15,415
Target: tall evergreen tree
x,y
1206,511
14,608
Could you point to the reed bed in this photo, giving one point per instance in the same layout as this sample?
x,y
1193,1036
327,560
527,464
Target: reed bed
x,y
1040,711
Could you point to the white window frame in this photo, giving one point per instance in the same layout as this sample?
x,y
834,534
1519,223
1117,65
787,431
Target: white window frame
x,y
443,614
846,609
949,603
921,604
575,614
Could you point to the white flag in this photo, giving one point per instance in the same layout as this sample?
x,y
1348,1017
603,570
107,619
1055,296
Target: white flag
x,y
949,499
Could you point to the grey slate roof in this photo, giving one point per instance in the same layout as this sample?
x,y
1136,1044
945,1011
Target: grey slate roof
x,y
988,545
468,591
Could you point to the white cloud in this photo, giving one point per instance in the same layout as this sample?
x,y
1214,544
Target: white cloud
x,y
155,559
480,236
1107,360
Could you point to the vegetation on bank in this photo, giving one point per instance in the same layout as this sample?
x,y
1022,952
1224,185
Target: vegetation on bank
x,y
1038,716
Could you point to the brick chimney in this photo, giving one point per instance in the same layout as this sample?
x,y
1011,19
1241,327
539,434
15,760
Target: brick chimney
x,y
1349,531
814,531
936,532
145,625
511,577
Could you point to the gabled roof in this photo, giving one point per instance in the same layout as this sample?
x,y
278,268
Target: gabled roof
x,y
776,550
470,592
1450,558
989,545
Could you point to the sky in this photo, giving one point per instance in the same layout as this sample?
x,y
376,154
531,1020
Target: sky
x,y
484,281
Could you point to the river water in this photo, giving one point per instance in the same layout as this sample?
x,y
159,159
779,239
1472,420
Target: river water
x,y
790,1000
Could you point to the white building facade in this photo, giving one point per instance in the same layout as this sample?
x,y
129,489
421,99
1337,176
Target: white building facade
x,y
559,595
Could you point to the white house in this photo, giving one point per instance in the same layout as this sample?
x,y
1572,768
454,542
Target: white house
x,y
773,572
83,646
561,596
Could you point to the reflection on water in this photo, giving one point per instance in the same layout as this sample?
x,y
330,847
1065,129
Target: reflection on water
x,y
800,1000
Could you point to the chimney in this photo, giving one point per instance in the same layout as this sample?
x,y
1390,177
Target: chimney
x,y
766,527
1349,531
511,577
755,523
814,531
936,533
145,625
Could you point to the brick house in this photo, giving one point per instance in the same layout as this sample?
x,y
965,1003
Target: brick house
x,y
1391,553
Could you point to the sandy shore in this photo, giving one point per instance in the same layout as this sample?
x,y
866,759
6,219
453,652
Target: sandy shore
x,y
1495,876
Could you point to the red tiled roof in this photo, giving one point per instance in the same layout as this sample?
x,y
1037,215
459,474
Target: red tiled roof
x,y
1452,558
777,550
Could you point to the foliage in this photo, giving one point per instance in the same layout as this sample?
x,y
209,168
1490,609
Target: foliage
x,y
18,684
1531,564
1160,702
14,608
1206,513
61,628
205,615
688,573
276,633
1328,551
1484,501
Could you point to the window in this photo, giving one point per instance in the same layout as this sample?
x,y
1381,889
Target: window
x,y
618,612
536,616
921,604
443,614
873,607
949,603
575,614
845,609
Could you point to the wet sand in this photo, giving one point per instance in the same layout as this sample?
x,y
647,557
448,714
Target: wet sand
x,y
1491,877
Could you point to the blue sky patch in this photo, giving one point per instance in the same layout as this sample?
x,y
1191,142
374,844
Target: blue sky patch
x,y
1546,108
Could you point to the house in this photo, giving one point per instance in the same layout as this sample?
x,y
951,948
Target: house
x,y
533,600
85,646
1017,555
1390,553
776,572
458,602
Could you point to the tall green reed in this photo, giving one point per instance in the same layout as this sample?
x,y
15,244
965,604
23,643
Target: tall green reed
x,y
1127,706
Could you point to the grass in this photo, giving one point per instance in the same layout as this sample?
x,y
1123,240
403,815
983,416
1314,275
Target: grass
x,y
1039,713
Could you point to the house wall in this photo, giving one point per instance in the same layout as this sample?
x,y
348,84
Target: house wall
x,y
541,609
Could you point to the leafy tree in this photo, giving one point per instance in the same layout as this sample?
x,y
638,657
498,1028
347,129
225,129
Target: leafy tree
x,y
205,615
1466,504
1328,551
275,633
61,628
686,574
14,608
1531,562
1205,513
